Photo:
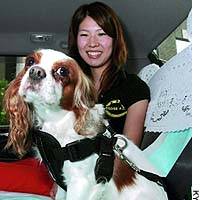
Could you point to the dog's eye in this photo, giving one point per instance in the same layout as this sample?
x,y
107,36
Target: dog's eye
x,y
30,61
62,71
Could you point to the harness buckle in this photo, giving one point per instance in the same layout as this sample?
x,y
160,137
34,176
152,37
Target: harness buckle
x,y
120,145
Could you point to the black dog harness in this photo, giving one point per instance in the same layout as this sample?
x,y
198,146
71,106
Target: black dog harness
x,y
54,155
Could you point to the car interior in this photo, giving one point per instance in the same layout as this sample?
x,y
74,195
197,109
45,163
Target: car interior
x,y
159,51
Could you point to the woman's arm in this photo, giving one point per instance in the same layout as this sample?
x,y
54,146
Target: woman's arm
x,y
134,124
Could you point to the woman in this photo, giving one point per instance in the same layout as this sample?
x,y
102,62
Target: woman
x,y
96,41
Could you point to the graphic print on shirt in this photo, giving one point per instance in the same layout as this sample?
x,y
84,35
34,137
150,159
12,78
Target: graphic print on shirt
x,y
115,108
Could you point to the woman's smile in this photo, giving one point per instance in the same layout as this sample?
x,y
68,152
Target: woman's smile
x,y
94,54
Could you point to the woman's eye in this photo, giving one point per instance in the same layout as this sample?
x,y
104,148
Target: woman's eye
x,y
30,61
102,34
83,35
63,71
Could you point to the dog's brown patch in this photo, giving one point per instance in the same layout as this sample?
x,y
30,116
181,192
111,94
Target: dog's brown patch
x,y
33,58
123,175
69,82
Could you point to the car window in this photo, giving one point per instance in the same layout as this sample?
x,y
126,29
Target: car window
x,y
174,43
9,67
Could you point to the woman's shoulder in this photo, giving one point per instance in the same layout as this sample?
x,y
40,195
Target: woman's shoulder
x,y
136,87
133,80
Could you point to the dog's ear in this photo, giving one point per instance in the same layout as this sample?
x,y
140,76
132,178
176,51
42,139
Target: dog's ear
x,y
85,94
85,97
19,116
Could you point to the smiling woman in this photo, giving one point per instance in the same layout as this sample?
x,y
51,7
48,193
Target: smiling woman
x,y
96,40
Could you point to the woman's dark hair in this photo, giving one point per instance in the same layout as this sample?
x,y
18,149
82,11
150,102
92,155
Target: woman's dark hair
x,y
106,18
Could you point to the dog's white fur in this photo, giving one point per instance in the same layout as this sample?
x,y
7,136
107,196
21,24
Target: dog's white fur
x,y
79,176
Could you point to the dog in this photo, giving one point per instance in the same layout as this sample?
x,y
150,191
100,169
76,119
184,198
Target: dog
x,y
52,93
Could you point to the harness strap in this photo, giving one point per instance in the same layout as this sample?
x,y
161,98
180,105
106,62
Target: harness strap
x,y
105,163
154,177
76,151
149,175
81,149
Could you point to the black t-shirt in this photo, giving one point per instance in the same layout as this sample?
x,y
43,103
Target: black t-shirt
x,y
126,90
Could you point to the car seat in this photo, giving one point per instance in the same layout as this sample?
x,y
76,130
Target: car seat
x,y
168,133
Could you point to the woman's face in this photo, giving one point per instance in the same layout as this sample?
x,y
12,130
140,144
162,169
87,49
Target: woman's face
x,y
94,45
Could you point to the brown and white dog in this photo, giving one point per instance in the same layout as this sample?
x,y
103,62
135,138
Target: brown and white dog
x,y
53,93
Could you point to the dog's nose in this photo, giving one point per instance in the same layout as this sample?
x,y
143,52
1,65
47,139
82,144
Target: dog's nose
x,y
37,73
